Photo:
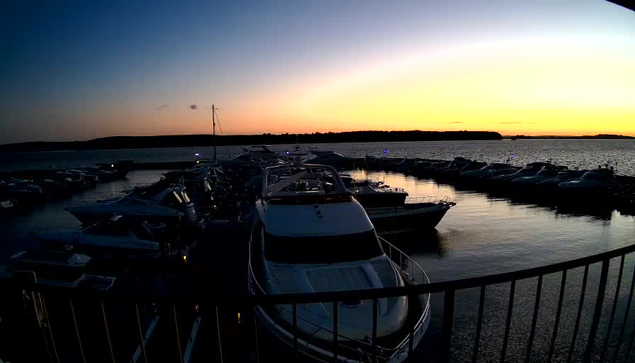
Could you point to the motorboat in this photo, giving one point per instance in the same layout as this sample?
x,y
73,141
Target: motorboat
x,y
561,177
253,155
100,174
49,260
488,171
420,214
530,169
117,240
334,159
377,194
74,181
296,155
430,170
598,183
169,205
311,235
452,172
544,175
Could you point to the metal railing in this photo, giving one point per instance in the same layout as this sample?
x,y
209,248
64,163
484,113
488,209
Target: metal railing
x,y
618,337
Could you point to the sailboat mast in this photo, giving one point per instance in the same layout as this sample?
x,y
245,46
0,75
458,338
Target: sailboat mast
x,y
214,130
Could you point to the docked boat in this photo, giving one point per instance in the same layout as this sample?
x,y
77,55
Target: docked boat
x,y
118,241
371,193
170,205
312,236
598,183
49,260
530,169
544,175
334,159
420,215
487,172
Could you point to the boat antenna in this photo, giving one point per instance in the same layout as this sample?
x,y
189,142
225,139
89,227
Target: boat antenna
x,y
214,129
221,131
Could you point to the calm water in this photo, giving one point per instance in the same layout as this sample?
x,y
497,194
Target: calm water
x,y
481,235
574,153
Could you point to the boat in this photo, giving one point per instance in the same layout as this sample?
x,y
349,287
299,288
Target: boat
x,y
101,175
118,240
544,175
334,159
44,259
371,193
333,248
595,184
530,169
74,181
170,205
420,215
487,172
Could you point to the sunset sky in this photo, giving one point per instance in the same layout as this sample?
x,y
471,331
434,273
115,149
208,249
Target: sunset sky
x,y
76,70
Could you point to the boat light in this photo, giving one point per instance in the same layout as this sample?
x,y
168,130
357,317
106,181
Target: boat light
x,y
385,151
287,152
112,165
196,155
197,161
238,318
184,258
196,308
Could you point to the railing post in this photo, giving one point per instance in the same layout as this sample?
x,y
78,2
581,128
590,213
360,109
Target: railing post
x,y
534,320
448,318
615,301
625,322
335,328
580,306
510,310
178,336
141,337
563,284
103,314
479,324
220,342
79,339
598,311
295,330
374,333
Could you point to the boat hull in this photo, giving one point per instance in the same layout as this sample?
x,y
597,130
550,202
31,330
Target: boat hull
x,y
313,352
394,220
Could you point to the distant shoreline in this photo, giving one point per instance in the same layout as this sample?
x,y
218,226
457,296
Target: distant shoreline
x,y
145,142
169,141
583,137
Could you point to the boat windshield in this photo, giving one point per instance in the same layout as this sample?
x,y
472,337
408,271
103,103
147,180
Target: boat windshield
x,y
322,249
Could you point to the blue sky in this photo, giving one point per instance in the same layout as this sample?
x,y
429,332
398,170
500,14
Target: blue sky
x,y
74,70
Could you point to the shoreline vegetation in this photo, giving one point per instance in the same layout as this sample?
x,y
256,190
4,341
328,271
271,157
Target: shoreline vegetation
x,y
144,142
167,141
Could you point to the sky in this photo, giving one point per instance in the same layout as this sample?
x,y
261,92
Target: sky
x,y
77,70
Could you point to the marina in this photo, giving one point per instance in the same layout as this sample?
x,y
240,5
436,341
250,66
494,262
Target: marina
x,y
131,251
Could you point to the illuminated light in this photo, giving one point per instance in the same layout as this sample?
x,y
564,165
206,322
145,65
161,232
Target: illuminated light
x,y
196,155
385,151
286,152
238,318
197,161
112,165
196,308
184,258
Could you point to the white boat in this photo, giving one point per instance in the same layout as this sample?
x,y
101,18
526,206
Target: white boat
x,y
170,205
419,214
310,235
377,194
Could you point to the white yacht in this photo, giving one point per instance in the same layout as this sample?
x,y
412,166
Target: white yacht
x,y
311,235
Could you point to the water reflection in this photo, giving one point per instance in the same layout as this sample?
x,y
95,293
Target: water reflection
x,y
493,232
